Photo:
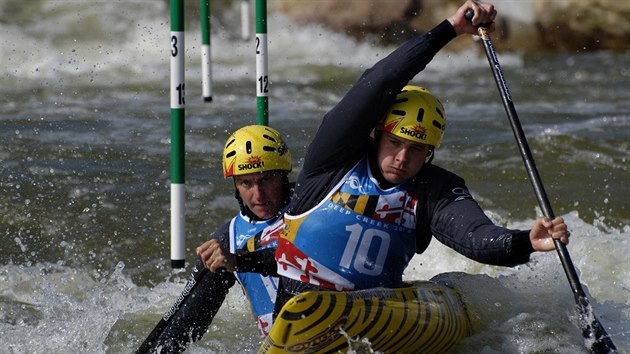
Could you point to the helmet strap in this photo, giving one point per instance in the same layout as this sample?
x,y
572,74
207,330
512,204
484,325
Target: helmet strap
x,y
244,209
287,189
431,155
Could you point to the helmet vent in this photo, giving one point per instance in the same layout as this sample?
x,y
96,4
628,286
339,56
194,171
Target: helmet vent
x,y
254,149
420,115
439,111
398,112
437,124
269,137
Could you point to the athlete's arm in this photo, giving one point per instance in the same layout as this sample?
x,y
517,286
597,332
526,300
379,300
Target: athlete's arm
x,y
459,222
463,226
197,311
344,134
345,130
262,262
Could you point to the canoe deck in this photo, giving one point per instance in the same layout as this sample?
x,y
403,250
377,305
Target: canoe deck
x,y
425,317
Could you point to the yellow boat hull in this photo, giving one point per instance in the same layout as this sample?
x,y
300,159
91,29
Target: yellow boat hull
x,y
425,317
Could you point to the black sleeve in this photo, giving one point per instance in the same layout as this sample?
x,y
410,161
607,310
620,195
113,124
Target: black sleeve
x,y
464,227
458,221
201,303
262,262
346,128
195,313
222,234
344,134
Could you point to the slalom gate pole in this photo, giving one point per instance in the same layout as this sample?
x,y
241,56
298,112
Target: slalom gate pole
x,y
178,212
262,78
595,336
245,24
206,57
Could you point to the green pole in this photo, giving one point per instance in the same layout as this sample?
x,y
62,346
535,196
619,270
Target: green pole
x,y
262,78
177,135
206,57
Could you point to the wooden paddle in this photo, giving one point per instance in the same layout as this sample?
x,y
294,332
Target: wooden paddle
x,y
595,336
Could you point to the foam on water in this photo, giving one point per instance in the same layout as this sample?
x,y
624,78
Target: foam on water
x,y
530,308
84,88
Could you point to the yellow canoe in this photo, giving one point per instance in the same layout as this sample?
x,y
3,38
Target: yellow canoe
x,y
425,317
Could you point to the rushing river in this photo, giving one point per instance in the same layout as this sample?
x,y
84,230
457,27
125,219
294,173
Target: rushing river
x,y
85,166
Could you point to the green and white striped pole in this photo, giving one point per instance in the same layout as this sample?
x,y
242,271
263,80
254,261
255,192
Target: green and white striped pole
x,y
245,27
262,78
206,57
178,239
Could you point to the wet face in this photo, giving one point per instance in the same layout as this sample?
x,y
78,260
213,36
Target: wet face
x,y
261,192
400,159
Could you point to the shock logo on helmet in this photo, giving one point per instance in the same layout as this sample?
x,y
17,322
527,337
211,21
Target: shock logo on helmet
x,y
253,163
417,132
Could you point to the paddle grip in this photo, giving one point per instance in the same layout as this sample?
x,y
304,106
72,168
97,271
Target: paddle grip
x,y
469,14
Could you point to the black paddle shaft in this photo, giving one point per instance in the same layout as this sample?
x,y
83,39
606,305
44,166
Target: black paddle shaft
x,y
592,330
195,278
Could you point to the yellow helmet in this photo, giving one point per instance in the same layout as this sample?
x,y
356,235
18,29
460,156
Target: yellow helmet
x,y
416,115
255,148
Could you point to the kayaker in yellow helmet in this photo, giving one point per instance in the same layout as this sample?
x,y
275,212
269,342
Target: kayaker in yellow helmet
x,y
365,204
259,162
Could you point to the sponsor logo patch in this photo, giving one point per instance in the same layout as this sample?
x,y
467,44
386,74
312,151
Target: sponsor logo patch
x,y
253,163
417,132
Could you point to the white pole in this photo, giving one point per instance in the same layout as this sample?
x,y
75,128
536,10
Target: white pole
x,y
206,54
245,19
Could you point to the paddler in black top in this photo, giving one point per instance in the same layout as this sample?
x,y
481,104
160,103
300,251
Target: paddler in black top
x,y
364,206
243,249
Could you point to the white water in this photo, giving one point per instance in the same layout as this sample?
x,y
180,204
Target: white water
x,y
86,273
49,308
